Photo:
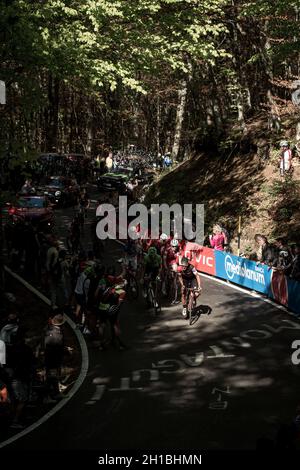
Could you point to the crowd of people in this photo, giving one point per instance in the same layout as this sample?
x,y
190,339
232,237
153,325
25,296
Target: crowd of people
x,y
28,374
278,255
137,159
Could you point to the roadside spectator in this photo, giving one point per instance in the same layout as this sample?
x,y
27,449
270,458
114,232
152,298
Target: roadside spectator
x,y
217,239
54,353
226,236
285,161
27,188
53,267
3,391
109,162
66,279
81,293
295,268
20,366
10,330
5,405
167,160
284,259
2,353
267,253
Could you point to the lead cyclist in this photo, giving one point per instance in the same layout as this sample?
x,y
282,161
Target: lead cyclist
x,y
189,278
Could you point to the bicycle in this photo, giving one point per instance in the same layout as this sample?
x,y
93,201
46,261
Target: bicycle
x,y
191,302
153,294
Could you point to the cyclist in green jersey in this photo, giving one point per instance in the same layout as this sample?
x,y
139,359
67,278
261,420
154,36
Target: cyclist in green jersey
x,y
152,267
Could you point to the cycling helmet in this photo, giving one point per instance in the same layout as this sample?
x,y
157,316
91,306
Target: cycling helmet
x,y
120,286
89,271
174,242
184,262
152,251
284,143
284,254
164,236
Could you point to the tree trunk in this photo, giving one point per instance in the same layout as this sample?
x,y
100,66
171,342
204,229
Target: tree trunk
x,y
182,95
89,129
158,127
274,118
52,114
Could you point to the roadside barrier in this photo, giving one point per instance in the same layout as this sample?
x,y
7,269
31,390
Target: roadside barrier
x,y
246,273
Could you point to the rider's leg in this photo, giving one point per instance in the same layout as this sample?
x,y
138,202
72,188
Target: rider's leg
x,y
183,300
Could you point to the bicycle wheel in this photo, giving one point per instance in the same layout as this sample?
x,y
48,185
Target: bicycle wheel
x,y
191,305
151,296
157,299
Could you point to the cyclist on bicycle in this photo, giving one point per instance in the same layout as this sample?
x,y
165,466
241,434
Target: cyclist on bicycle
x,y
110,295
152,267
189,278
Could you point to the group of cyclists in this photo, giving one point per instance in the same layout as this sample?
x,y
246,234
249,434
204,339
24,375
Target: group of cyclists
x,y
163,260
100,292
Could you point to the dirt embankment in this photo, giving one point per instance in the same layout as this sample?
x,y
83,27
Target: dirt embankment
x,y
236,185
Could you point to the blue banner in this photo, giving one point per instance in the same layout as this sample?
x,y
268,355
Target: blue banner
x,y
243,272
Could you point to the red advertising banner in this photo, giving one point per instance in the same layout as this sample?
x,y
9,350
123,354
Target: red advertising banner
x,y
279,287
201,257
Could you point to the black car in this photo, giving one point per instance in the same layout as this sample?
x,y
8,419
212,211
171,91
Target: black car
x,y
61,191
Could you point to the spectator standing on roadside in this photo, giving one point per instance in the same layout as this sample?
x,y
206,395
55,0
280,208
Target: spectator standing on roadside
x,y
20,368
53,267
267,253
284,259
27,187
109,162
217,239
54,345
5,405
295,267
285,161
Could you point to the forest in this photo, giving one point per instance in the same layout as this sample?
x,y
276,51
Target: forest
x,y
164,75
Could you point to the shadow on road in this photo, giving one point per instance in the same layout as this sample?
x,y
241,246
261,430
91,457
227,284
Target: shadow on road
x,y
198,311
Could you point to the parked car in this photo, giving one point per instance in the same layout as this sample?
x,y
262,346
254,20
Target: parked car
x,y
61,191
34,209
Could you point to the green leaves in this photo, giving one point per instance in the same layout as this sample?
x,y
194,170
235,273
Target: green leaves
x,y
101,41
